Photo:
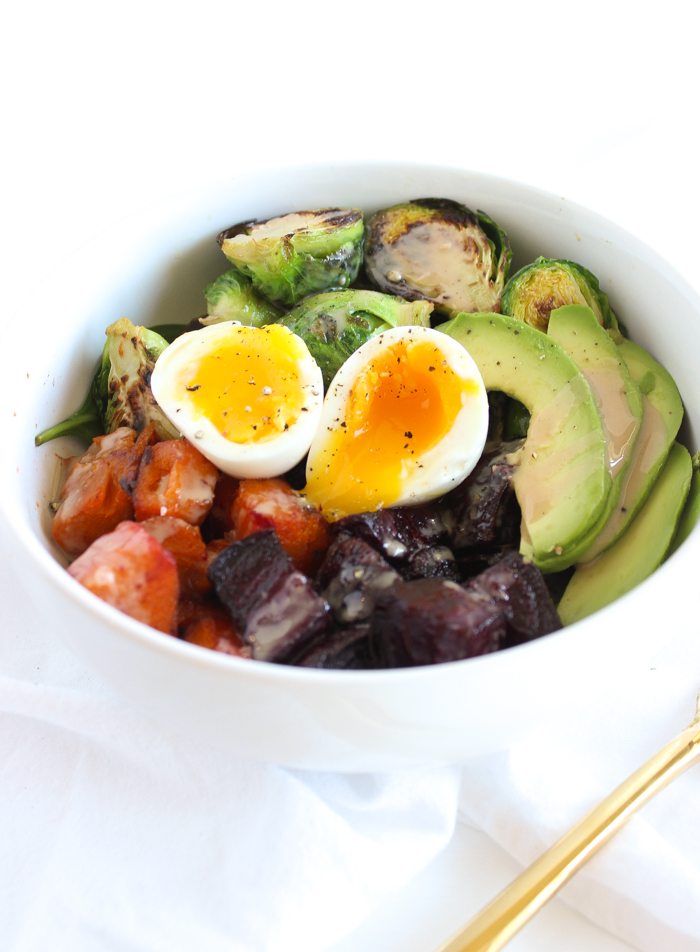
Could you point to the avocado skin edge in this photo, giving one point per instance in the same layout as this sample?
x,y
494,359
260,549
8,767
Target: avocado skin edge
x,y
639,551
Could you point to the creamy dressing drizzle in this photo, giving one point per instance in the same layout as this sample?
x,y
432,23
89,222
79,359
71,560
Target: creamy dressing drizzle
x,y
647,450
619,422
551,469
441,262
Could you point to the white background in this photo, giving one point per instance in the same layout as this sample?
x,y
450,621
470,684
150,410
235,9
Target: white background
x,y
109,107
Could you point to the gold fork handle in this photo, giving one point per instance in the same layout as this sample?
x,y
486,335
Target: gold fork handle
x,y
505,915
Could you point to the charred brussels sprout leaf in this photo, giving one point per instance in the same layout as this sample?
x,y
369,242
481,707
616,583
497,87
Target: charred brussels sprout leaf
x,y
437,249
124,381
288,257
120,391
333,325
548,283
231,297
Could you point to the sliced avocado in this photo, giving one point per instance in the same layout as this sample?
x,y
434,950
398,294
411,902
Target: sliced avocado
x,y
639,551
663,413
691,511
562,480
577,331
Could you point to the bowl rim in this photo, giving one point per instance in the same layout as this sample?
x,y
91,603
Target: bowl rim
x,y
161,643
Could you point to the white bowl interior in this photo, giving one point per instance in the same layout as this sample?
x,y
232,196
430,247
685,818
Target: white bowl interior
x,y
152,268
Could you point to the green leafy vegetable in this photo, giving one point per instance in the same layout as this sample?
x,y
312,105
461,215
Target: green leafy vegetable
x,y
548,283
288,257
439,250
120,392
231,297
333,325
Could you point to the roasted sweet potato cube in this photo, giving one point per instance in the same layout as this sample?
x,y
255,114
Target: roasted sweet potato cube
x,y
96,496
132,571
272,504
185,542
174,479
211,627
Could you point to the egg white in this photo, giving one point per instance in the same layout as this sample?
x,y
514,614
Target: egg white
x,y
450,460
245,460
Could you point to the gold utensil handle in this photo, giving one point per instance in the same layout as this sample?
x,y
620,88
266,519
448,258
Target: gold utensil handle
x,y
505,915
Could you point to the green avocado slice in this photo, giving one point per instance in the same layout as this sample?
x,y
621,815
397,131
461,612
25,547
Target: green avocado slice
x,y
577,331
639,551
562,480
691,511
663,413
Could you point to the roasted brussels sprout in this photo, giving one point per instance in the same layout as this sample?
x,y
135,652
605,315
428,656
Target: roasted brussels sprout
x,y
120,392
288,257
128,359
548,283
231,298
437,249
333,325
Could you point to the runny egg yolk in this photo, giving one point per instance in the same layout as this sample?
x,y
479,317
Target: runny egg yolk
x,y
248,388
400,405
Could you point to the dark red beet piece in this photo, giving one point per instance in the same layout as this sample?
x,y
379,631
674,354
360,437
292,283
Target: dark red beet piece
x,y
433,561
484,506
520,589
395,533
428,621
344,649
412,538
351,576
271,604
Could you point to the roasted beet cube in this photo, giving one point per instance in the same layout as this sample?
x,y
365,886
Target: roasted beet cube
x,y
351,576
412,538
521,591
433,620
484,506
433,561
345,648
398,533
272,605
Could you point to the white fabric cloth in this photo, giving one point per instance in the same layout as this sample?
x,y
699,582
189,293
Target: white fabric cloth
x,y
118,837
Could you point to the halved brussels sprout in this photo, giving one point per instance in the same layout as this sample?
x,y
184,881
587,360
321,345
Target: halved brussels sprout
x,y
333,325
128,359
288,257
120,392
437,249
231,298
548,283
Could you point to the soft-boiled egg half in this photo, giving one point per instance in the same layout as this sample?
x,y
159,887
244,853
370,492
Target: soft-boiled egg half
x,y
249,398
404,421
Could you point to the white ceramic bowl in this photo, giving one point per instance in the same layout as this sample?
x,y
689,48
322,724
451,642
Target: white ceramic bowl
x,y
152,268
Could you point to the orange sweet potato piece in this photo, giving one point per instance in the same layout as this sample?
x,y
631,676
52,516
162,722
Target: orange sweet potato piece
x,y
132,571
96,496
273,504
210,627
174,479
185,543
